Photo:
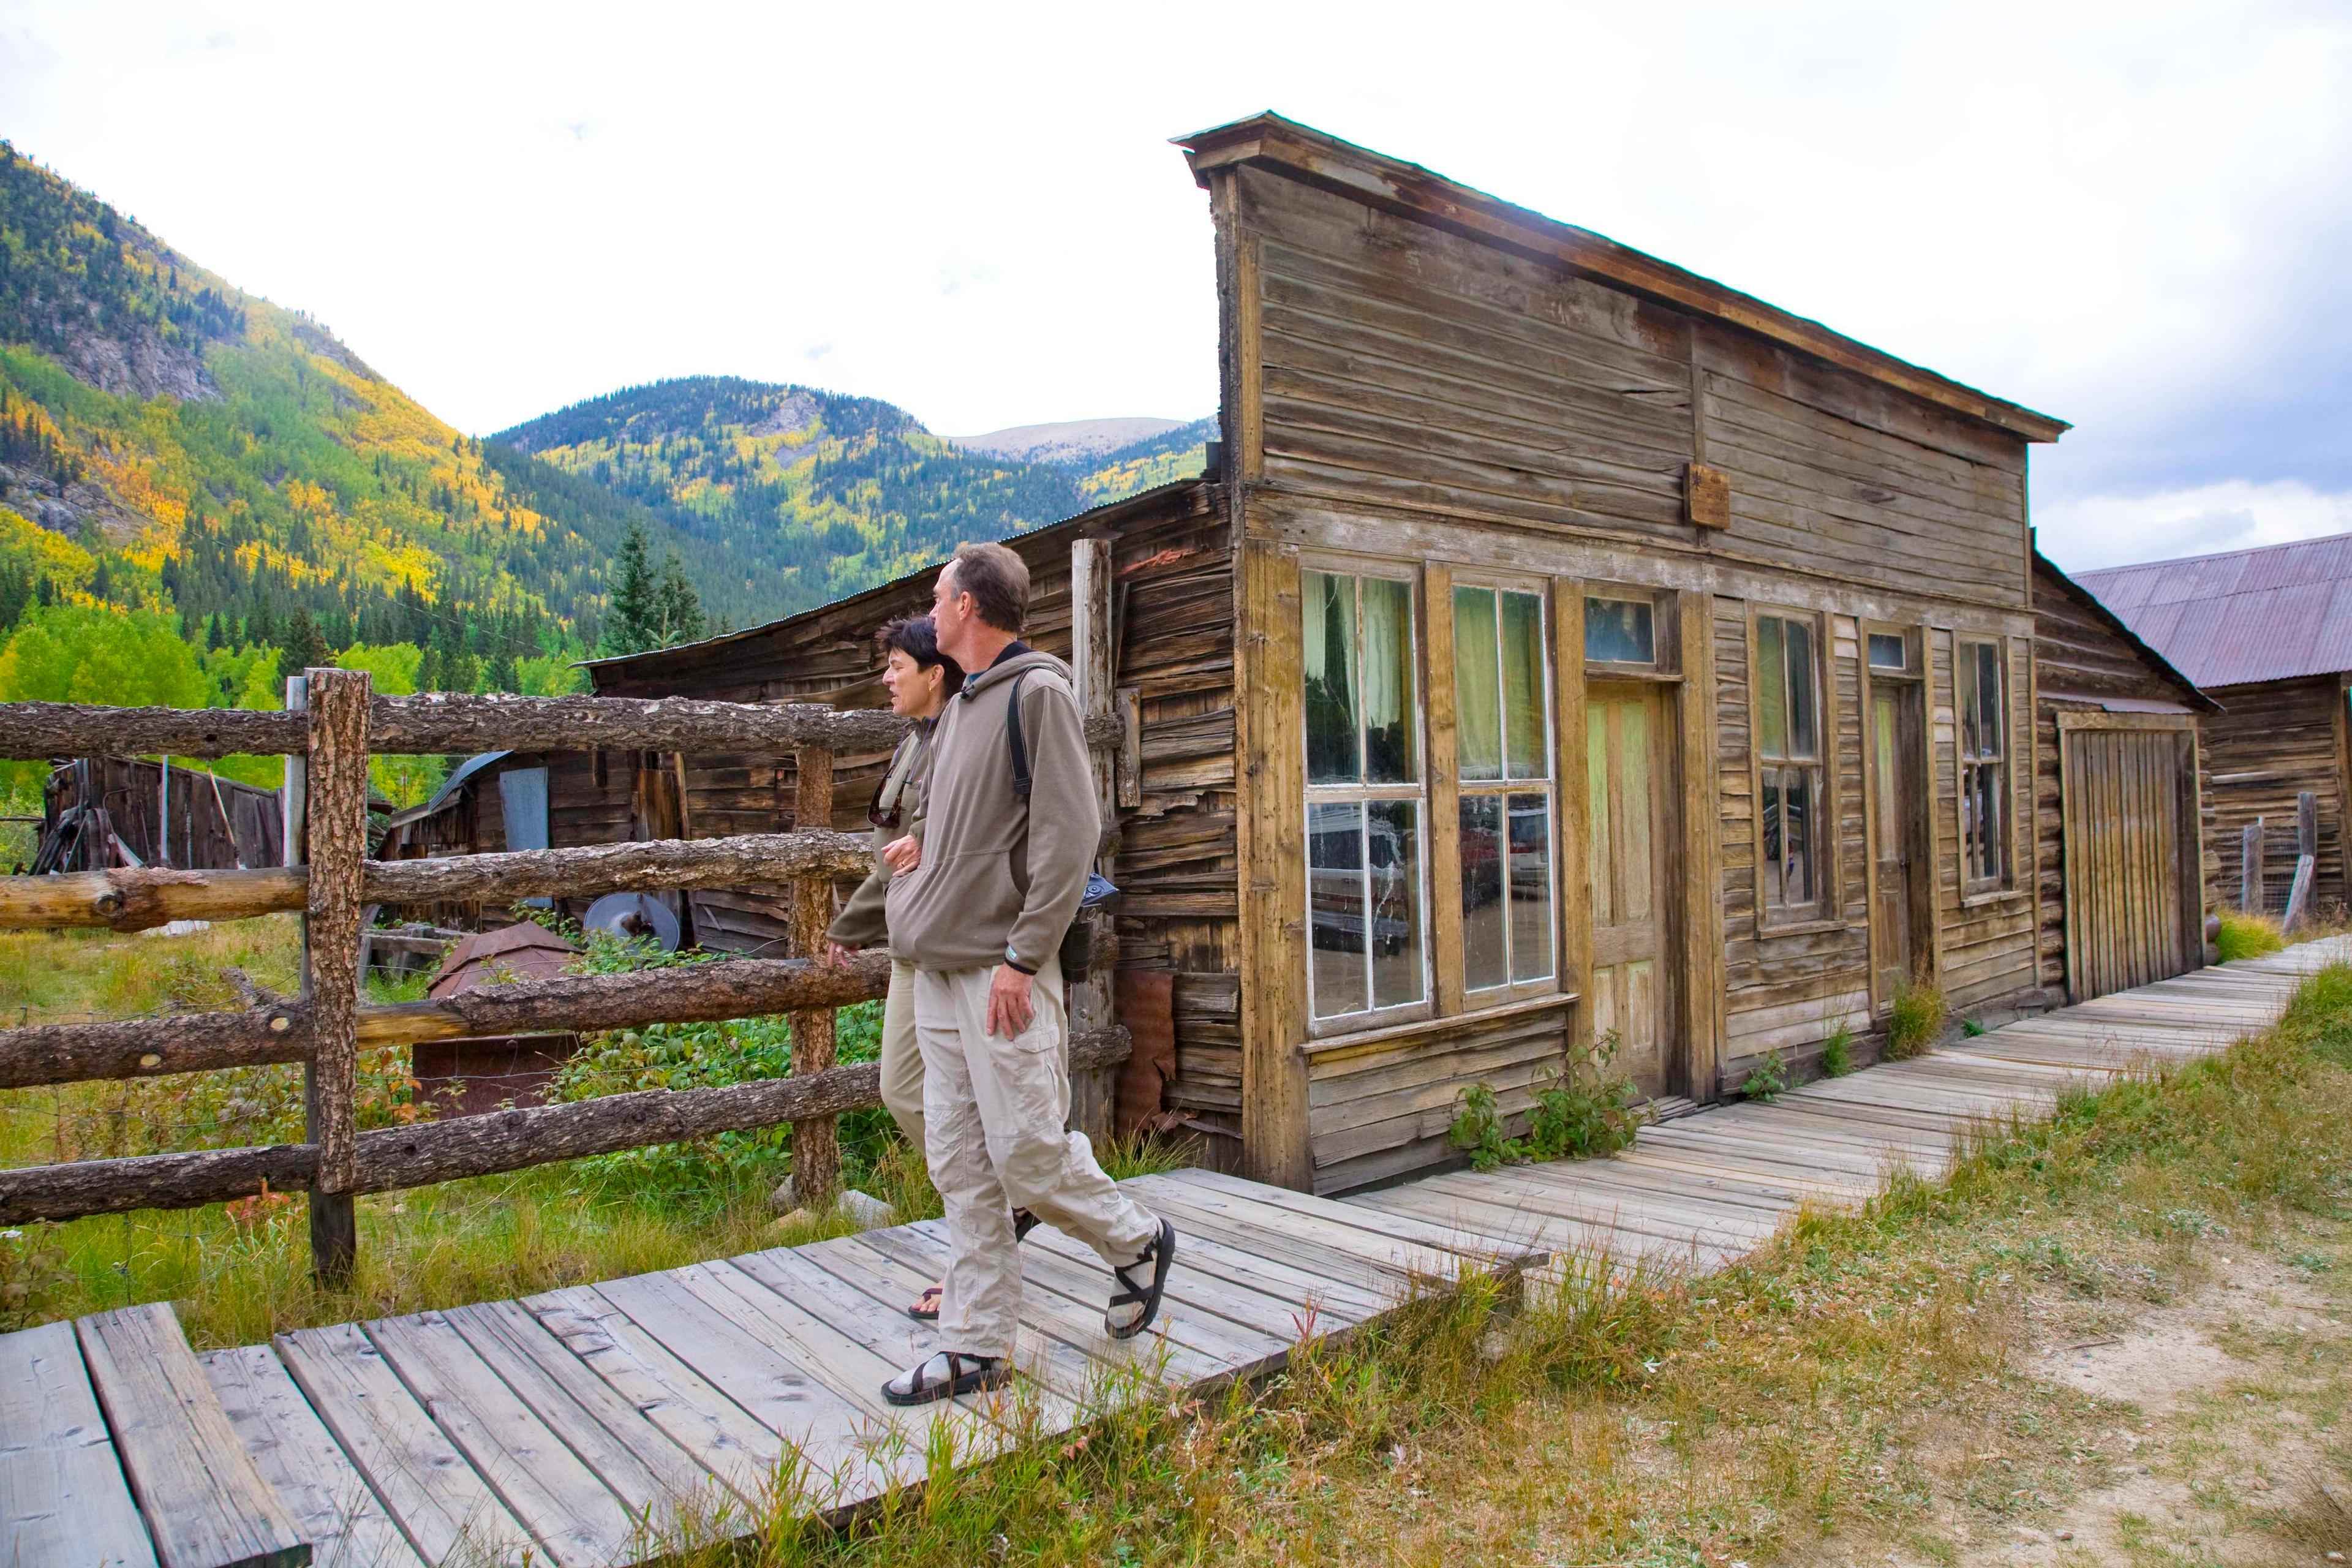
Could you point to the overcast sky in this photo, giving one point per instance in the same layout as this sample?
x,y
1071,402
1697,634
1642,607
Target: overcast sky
x,y
2136,216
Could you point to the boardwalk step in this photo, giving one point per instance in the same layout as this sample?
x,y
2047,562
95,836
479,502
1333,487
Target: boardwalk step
x,y
63,1498
205,1503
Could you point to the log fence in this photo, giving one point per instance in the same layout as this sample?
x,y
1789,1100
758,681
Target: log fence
x,y
331,726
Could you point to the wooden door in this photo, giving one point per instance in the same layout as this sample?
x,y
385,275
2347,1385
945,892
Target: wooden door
x,y
2131,901
1899,915
1629,781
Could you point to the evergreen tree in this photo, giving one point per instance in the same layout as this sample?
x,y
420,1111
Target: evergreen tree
x,y
305,646
630,620
214,638
679,616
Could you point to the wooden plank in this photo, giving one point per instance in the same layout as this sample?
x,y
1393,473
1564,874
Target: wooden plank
x,y
542,1481
329,1500
654,1479
1574,845
1269,730
443,1509
1444,876
1584,1238
1699,896
63,1498
1426,1251
205,1504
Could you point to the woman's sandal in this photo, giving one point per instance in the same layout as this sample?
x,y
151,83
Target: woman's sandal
x,y
962,1375
926,1309
1160,1254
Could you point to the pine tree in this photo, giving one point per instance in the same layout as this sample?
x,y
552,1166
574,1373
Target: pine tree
x,y
631,613
679,607
214,638
305,646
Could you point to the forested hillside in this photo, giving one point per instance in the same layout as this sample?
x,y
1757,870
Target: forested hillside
x,y
793,496
200,490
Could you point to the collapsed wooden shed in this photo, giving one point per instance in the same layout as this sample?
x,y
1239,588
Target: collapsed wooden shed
x,y
1566,650
102,812
2267,634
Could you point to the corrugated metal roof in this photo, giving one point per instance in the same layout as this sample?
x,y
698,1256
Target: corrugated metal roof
x,y
2272,613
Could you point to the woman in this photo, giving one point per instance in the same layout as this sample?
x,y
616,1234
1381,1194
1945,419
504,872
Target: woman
x,y
920,680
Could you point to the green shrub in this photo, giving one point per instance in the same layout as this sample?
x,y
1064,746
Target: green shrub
x,y
1766,1078
1584,1110
1837,1052
2247,936
1914,1021
1478,1131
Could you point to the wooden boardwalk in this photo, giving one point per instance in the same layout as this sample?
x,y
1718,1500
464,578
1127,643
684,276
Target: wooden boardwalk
x,y
586,1426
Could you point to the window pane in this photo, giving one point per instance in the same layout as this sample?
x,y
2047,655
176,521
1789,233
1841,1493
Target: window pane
x,y
1334,860
1530,900
1797,833
1393,839
1964,677
1523,687
1774,893
1478,697
1618,631
1484,958
1771,689
1888,651
1989,700
1389,714
1802,740
1330,624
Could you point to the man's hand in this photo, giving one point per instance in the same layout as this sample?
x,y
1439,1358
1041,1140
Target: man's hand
x,y
903,854
837,956
1009,1007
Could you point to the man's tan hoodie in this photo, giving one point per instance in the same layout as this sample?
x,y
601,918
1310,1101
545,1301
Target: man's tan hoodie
x,y
1001,878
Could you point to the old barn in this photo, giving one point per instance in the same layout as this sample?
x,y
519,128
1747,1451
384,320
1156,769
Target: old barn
x,y
1566,648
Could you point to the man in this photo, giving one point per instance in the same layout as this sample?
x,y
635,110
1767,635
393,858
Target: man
x,y
981,919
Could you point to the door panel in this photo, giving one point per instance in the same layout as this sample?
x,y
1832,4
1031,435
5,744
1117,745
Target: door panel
x,y
2129,889
1896,834
1628,777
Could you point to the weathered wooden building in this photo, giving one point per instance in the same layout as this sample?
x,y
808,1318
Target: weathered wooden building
x,y
102,812
1566,648
2267,634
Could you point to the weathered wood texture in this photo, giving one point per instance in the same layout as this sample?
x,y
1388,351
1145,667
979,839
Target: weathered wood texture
x,y
69,1053
205,1503
2269,744
426,1152
63,1498
816,1151
192,819
336,830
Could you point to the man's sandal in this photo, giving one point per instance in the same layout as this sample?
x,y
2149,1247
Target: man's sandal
x,y
1160,1254
926,1309
945,1375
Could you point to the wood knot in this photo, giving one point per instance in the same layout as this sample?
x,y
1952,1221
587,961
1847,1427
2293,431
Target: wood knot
x,y
280,1024
150,1060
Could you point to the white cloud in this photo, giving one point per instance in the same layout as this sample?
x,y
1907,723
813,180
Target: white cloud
x,y
2116,530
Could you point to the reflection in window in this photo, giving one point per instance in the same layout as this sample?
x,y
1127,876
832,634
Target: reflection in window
x,y
1788,757
1618,631
1889,651
1503,732
1984,774
1363,805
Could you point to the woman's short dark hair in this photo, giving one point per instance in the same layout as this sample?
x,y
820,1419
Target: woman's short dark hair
x,y
918,639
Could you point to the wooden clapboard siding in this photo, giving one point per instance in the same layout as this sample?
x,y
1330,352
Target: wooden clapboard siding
x,y
1985,943
2270,741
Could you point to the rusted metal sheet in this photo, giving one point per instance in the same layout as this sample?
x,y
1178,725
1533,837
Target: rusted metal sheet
x,y
2269,613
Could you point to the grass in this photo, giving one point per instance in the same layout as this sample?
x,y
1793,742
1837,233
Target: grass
x,y
1860,1388
2247,936
1913,1018
1837,1052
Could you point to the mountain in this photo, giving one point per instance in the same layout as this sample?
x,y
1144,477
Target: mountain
x,y
172,445
1068,442
792,496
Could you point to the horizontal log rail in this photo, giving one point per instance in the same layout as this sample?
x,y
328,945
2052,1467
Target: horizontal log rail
x,y
139,899
419,1155
563,1004
442,721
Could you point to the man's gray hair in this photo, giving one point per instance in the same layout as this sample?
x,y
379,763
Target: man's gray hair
x,y
998,581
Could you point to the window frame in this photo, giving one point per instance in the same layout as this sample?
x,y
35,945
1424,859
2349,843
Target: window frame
x,y
1548,785
1821,911
1418,791
1660,626
2002,764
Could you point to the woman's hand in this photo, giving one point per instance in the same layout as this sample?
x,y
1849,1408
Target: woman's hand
x,y
903,854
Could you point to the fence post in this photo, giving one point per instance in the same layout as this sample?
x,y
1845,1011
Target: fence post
x,y
1094,662
2306,824
816,1153
336,787
2249,868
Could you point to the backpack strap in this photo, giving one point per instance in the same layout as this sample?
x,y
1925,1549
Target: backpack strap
x,y
1013,742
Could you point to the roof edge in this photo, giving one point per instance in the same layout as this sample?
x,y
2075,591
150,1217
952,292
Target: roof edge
x,y
2117,624
1416,192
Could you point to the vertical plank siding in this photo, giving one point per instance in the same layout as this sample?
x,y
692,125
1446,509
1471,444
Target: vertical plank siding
x,y
2270,742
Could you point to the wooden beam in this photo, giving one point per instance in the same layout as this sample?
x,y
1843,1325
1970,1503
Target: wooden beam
x,y
1093,661
817,1150
1700,827
576,1004
443,721
1270,740
1575,831
336,835
419,1155
1445,787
